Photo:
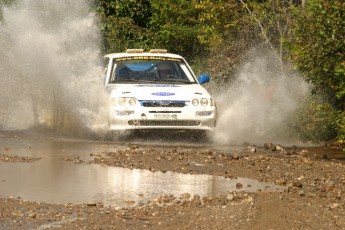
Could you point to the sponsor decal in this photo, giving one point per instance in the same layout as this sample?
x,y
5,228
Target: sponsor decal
x,y
164,94
148,58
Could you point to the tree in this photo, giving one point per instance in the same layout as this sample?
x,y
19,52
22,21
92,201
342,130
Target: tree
x,y
124,23
227,34
274,18
175,25
317,47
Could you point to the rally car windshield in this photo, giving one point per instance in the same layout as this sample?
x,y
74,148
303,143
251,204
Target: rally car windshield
x,y
150,69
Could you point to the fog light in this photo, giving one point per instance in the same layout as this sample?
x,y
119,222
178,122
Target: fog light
x,y
204,113
124,113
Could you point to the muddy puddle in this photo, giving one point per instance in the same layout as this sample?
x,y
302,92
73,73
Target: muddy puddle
x,y
53,179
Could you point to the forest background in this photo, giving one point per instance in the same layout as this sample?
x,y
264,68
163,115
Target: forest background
x,y
306,38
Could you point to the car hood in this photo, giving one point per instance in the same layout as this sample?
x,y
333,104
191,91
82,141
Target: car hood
x,y
158,91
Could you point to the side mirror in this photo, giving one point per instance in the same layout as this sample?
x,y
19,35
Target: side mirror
x,y
203,79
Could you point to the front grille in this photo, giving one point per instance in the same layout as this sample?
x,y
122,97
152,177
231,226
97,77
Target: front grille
x,y
165,103
167,123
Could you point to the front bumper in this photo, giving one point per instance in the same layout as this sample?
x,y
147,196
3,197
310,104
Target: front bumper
x,y
189,118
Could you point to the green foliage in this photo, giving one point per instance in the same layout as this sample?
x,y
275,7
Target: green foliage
x,y
340,125
316,121
138,10
227,34
214,18
124,23
175,25
317,47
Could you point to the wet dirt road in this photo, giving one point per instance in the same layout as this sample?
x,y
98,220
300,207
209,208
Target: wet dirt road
x,y
56,182
61,173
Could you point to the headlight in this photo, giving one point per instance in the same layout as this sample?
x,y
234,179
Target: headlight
x,y
124,101
203,102
195,102
132,101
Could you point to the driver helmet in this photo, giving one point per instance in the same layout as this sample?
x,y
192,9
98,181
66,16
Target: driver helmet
x,y
164,69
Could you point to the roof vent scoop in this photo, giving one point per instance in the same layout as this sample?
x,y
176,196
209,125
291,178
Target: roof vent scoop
x,y
159,51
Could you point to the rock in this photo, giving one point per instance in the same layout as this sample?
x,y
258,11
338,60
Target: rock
x,y
272,147
236,156
164,199
279,147
284,152
252,148
197,199
304,152
230,197
297,184
91,204
239,186
32,215
281,182
301,193
207,198
229,156
185,196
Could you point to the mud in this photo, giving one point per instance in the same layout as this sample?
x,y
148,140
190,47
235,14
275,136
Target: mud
x,y
312,177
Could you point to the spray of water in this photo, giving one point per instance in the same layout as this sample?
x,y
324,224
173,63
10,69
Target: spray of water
x,y
50,66
258,105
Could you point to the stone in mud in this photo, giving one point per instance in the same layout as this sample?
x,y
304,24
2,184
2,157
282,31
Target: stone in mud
x,y
185,196
304,152
272,147
236,156
197,199
301,193
297,184
230,197
91,204
239,186
280,147
280,182
229,156
252,148
164,199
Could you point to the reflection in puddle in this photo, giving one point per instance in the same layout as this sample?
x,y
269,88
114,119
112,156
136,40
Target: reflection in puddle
x,y
53,180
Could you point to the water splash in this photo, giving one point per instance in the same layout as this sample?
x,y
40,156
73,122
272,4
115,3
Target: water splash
x,y
50,66
258,105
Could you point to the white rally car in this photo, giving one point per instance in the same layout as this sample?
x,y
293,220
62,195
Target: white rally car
x,y
156,90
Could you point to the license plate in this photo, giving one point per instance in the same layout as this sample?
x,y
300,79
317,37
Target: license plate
x,y
165,116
